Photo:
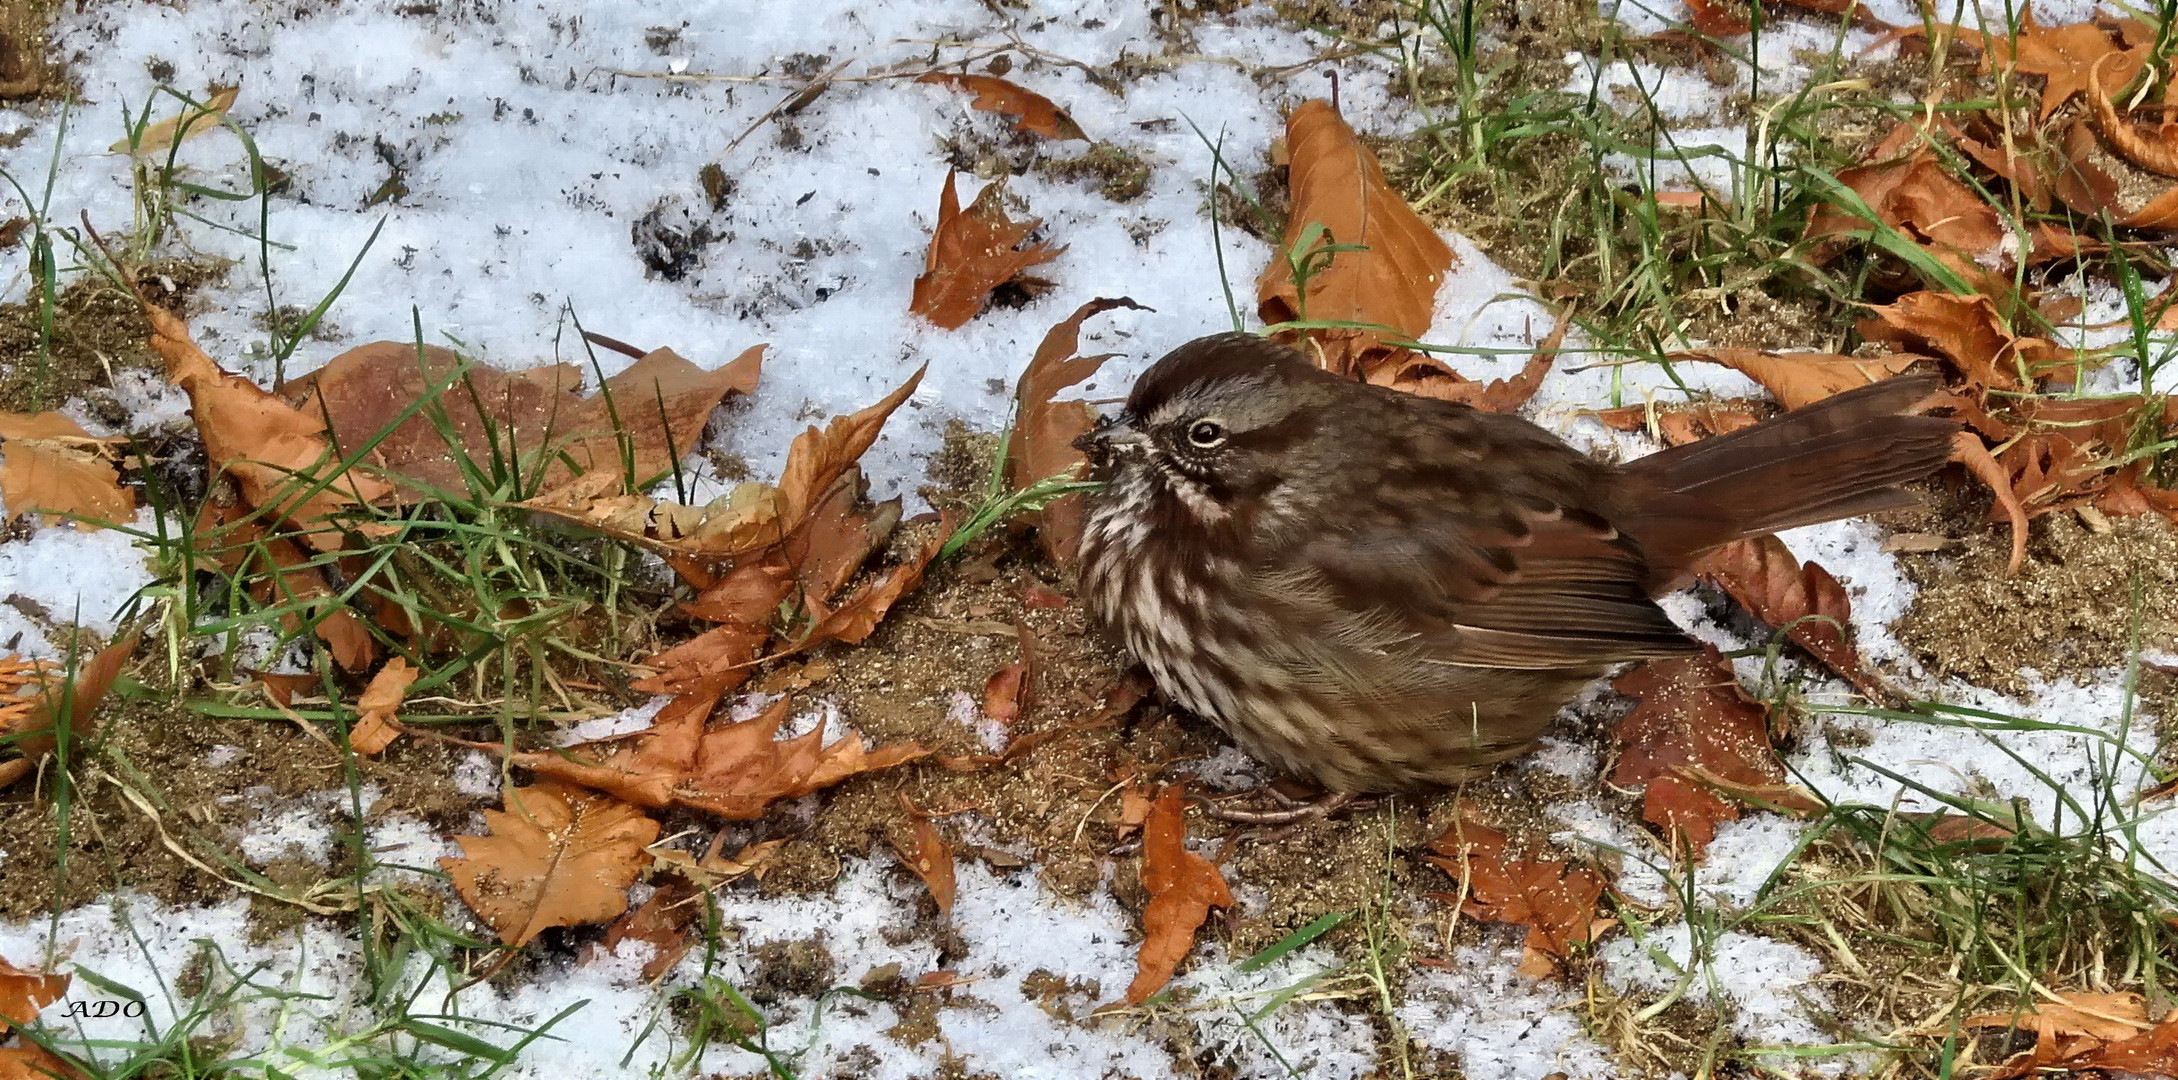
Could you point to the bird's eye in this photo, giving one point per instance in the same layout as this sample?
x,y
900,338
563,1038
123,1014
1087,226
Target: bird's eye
x,y
1206,433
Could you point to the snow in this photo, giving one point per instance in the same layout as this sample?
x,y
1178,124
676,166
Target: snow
x,y
86,578
1503,1025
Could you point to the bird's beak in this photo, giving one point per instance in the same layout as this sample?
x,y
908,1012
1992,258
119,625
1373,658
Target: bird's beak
x,y
1111,433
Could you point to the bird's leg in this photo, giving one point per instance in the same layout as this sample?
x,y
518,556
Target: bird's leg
x,y
1292,811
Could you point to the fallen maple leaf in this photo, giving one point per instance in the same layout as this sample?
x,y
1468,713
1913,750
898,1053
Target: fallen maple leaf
x,y
1797,379
858,614
529,423
1041,443
24,993
557,856
1032,112
194,120
1555,901
971,253
376,726
1183,887
1690,714
818,458
53,466
735,772
1338,196
1800,598
1426,376
930,857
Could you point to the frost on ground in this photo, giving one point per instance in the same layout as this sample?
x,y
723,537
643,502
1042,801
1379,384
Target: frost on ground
x,y
529,165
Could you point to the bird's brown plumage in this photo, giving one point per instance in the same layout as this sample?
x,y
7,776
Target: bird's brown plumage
x,y
1383,591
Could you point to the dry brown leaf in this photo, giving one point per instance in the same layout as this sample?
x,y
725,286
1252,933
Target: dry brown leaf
x,y
1426,376
1182,887
1797,379
274,452
24,993
1967,449
1042,442
34,1062
376,726
1691,715
1800,598
556,856
2087,1033
1677,425
835,539
1032,113
53,466
2156,152
744,520
735,771
664,921
1555,901
1907,188
2067,56
1336,182
857,616
37,732
971,253
714,870
641,422
2109,1017
158,138
1968,332
930,857
818,458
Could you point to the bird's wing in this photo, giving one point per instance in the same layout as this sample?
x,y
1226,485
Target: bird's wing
x,y
1526,585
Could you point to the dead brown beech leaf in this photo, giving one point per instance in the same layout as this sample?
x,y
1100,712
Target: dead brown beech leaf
x,y
2066,56
735,771
1968,332
642,420
1797,379
157,138
556,856
1691,715
1044,429
276,454
376,726
929,856
24,993
1677,425
971,253
1800,598
1555,901
1337,184
53,466
1182,886
1033,113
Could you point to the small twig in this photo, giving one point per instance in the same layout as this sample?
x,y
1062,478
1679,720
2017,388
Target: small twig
x,y
614,344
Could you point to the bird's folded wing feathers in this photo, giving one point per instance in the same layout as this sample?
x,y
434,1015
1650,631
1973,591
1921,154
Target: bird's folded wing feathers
x,y
1558,589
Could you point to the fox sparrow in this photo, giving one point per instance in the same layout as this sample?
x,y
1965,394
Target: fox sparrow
x,y
1381,591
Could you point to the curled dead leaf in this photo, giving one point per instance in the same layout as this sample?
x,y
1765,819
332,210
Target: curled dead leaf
x,y
1554,900
1802,599
1041,444
1182,886
376,726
